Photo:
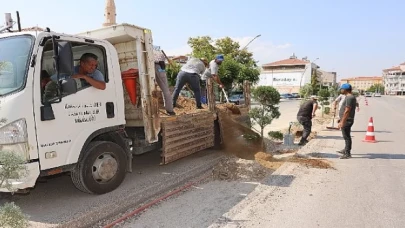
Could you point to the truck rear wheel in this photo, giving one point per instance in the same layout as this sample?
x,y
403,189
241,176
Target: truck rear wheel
x,y
102,168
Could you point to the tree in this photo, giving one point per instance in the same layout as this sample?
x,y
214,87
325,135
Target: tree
x,y
238,66
269,98
12,168
171,71
323,95
314,82
306,91
376,88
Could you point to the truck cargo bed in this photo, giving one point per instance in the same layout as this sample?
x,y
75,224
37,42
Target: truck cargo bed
x,y
186,134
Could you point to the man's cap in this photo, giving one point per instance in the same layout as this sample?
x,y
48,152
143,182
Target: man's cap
x,y
314,97
220,57
346,86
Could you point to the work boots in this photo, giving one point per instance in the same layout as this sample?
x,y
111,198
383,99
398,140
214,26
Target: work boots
x,y
345,155
303,142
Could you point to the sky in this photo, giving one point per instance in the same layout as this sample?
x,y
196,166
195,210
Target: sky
x,y
353,38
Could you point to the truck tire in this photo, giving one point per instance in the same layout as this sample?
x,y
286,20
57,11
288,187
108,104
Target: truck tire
x,y
101,169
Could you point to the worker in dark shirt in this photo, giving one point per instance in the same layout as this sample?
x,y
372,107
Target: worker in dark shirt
x,y
304,117
346,115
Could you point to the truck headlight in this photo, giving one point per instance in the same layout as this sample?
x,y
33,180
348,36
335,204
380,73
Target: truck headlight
x,y
14,138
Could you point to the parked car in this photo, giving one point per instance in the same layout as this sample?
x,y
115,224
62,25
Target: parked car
x,y
237,99
286,96
377,94
295,95
367,94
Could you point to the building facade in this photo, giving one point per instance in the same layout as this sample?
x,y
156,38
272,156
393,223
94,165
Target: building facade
x,y
362,83
394,80
287,75
327,78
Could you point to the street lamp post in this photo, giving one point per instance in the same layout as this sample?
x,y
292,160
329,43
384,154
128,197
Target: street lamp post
x,y
251,41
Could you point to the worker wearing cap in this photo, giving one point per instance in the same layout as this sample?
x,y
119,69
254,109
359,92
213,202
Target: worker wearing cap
x,y
346,115
190,73
211,72
304,117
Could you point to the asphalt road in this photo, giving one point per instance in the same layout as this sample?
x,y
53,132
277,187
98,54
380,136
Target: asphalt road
x,y
58,201
365,191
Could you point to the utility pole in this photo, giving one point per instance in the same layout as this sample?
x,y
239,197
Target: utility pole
x,y
251,41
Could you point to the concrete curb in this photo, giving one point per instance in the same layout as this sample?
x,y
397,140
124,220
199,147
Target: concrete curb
x,y
122,205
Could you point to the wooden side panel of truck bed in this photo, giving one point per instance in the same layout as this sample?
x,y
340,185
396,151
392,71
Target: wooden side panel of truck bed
x,y
186,134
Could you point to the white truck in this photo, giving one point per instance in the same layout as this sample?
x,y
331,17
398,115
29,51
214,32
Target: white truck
x,y
89,132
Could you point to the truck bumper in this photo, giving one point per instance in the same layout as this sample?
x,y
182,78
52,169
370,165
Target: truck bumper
x,y
28,181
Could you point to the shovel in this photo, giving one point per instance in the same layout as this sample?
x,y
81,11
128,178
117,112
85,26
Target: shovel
x,y
226,96
333,123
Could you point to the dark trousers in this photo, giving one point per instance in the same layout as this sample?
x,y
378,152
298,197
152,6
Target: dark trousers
x,y
193,80
203,84
346,130
306,122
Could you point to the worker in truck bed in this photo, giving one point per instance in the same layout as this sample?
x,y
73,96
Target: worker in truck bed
x,y
211,72
190,73
161,80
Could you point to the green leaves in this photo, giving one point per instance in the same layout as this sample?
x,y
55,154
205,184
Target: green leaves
x,y
269,98
266,95
238,66
376,88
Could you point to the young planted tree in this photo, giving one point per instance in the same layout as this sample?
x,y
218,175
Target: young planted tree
x,y
11,215
314,82
323,95
306,91
268,98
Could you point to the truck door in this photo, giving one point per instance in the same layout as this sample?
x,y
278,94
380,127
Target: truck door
x,y
76,116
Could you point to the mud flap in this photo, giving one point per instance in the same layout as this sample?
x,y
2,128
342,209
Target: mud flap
x,y
186,134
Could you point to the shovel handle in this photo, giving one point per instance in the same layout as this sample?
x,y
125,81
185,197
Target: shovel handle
x,y
226,96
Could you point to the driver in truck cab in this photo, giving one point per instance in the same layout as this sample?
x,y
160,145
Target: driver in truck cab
x,y
87,70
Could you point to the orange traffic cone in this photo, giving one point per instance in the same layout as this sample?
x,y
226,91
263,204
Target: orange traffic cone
x,y
370,137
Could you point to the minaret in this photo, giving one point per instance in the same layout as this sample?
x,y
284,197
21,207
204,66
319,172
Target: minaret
x,y
109,13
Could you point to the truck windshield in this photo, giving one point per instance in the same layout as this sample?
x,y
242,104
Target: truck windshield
x,y
14,55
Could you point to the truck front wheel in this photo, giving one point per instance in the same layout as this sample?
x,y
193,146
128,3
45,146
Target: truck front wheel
x,y
101,169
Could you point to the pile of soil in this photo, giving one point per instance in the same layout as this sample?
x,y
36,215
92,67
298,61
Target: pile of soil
x,y
312,162
186,105
233,168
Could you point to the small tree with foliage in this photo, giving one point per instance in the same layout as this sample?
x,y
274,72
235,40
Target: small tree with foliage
x,y
171,72
376,88
306,91
12,168
268,98
323,95
314,82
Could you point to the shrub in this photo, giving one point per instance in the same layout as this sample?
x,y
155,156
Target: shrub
x,y
275,135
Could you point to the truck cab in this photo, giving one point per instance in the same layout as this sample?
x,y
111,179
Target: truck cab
x,y
58,122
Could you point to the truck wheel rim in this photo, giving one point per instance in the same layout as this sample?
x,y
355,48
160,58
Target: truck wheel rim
x,y
104,168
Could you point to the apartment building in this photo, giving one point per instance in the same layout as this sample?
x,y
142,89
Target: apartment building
x,y
362,83
394,80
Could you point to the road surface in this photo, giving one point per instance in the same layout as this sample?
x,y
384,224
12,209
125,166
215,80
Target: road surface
x,y
58,201
365,191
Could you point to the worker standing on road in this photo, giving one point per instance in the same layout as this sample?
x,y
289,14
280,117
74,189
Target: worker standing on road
x,y
211,72
161,80
304,117
190,73
339,100
346,115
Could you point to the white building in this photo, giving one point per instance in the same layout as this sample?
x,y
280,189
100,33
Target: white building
x,y
287,75
394,80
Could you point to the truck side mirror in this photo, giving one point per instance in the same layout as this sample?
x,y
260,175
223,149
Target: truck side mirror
x,y
69,86
65,58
